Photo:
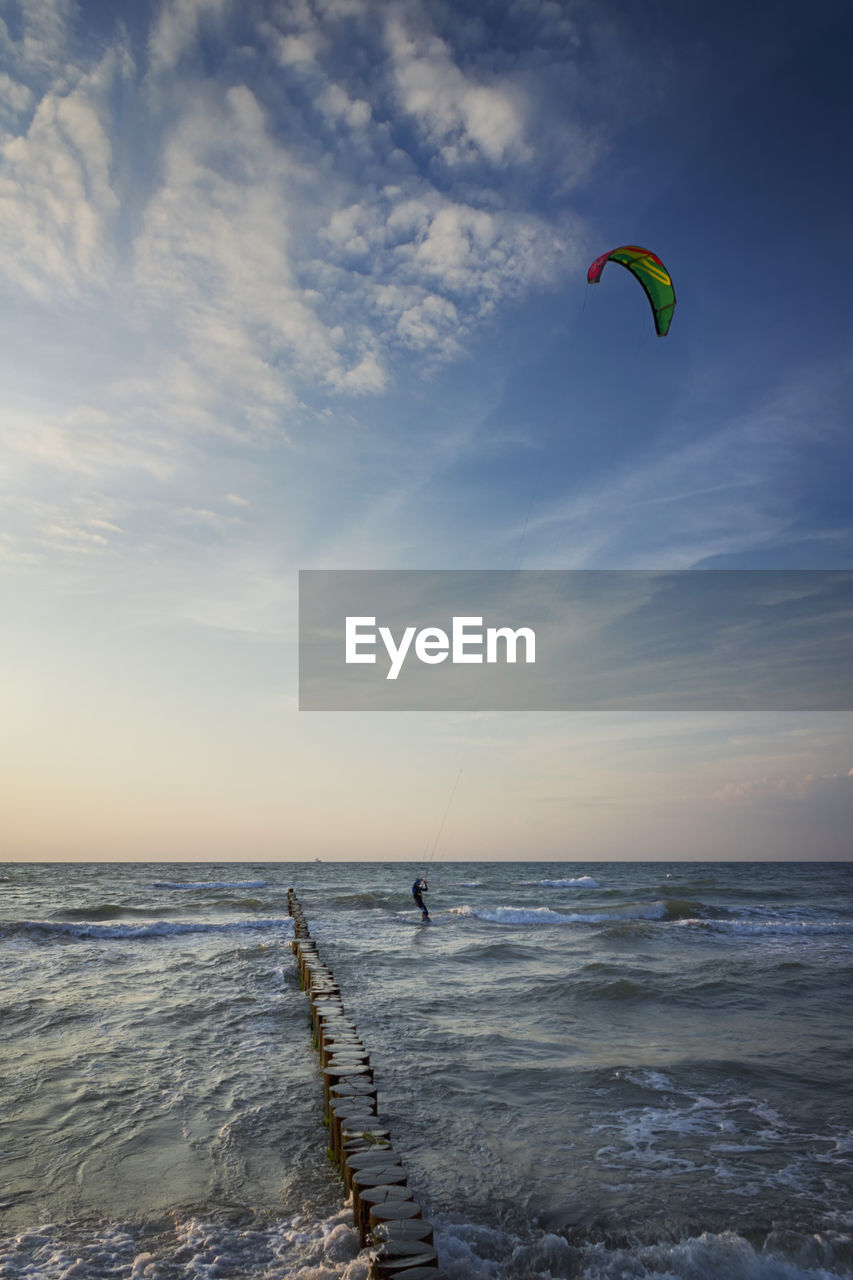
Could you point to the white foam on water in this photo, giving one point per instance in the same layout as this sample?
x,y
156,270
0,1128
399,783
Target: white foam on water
x,y
734,1139
573,882
723,1256
297,1248
208,884
154,929
545,915
303,1247
468,1252
656,1080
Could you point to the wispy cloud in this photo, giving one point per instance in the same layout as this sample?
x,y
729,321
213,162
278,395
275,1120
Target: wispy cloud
x,y
802,786
56,196
710,485
287,245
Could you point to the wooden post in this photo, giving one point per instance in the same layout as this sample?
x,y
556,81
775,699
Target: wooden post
x,y
384,1209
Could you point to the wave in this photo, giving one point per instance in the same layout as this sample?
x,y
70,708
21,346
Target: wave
x,y
208,884
237,1241
684,909
545,915
675,911
572,882
762,928
112,910
105,911
155,929
364,899
208,1241
472,1250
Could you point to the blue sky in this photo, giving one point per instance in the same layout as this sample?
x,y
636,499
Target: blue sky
x,y
302,285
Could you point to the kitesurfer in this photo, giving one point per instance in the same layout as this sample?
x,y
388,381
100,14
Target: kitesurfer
x,y
420,886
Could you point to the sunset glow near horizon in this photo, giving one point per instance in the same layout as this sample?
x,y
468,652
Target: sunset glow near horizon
x,y
303,286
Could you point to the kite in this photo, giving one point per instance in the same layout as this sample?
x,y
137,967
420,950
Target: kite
x,y
652,275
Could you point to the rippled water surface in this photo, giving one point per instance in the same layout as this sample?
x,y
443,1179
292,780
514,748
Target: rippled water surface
x,y
591,1070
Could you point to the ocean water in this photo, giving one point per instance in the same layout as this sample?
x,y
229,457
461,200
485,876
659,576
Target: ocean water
x,y
610,1071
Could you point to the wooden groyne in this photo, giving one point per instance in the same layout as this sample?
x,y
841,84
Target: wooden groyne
x,y
384,1210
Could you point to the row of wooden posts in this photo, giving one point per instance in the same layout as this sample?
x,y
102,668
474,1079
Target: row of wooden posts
x,y
388,1219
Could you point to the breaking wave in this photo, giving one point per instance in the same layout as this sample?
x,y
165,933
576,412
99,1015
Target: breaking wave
x,y
572,882
545,915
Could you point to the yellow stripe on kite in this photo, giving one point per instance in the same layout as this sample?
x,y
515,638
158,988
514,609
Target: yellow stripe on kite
x,y
657,273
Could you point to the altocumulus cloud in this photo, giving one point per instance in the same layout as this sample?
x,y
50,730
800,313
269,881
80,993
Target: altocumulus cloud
x,y
250,214
56,197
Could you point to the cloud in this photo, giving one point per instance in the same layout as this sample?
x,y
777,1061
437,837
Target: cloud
x,y
177,27
41,48
706,486
438,266
463,117
803,786
80,527
336,105
273,260
802,815
216,252
15,98
56,194
246,245
296,50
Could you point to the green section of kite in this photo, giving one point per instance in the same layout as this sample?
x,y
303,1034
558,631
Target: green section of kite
x,y
652,275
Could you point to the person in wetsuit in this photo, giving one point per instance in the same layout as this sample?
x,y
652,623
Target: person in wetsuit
x,y
420,886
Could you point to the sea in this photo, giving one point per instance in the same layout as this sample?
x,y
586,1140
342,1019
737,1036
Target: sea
x,y
608,1071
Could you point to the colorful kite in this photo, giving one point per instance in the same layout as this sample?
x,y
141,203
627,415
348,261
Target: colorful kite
x,y
652,275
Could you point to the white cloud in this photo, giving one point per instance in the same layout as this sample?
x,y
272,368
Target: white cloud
x,y
464,118
438,266
799,786
262,263
56,193
177,28
15,98
336,105
279,277
216,253
296,50
200,515
91,440
42,46
73,527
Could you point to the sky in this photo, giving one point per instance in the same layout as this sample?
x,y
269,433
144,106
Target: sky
x,y
302,285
